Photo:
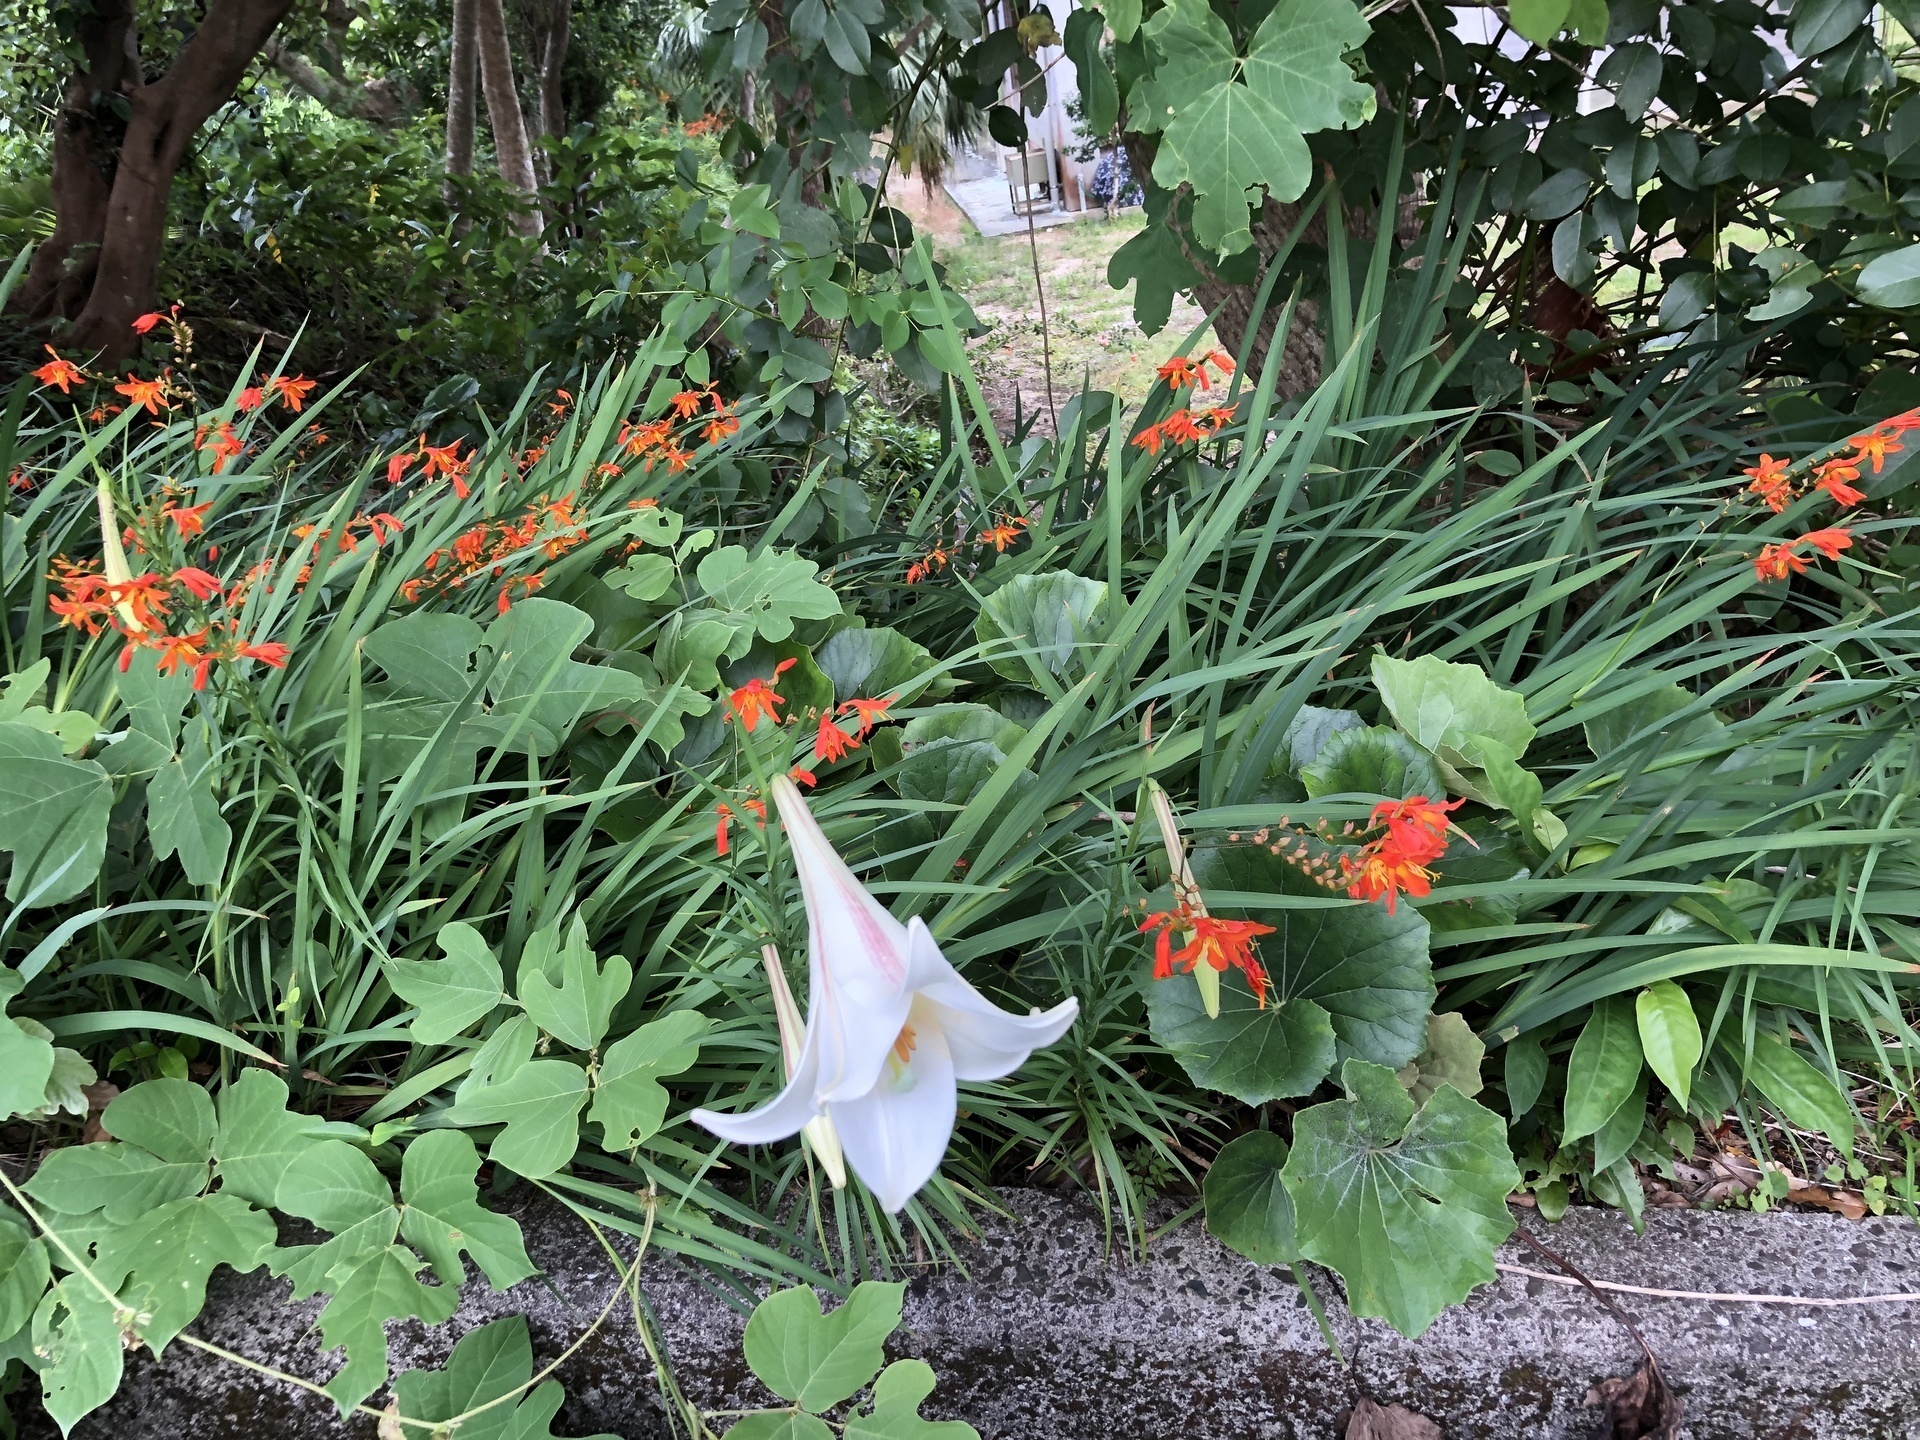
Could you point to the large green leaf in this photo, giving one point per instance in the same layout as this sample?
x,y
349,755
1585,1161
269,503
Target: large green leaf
x,y
629,1102
951,752
1798,1091
539,1104
1408,1207
1647,715
1376,761
566,991
1443,707
159,1264
1347,979
1603,1067
1892,281
164,1131
381,1287
1248,1208
335,1185
24,1271
53,816
183,812
258,1137
428,655
764,593
1310,731
814,1360
874,663
895,1415
535,681
488,1363
442,1214
1669,1036
1046,623
451,994
1224,137
26,1057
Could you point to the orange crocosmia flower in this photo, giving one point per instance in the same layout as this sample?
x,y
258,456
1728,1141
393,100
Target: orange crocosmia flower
x,y
1220,361
831,743
1777,562
63,373
1218,418
203,585
1003,533
292,390
754,699
871,712
1180,429
687,403
1829,542
188,520
1149,439
1383,871
719,427
392,523
1767,468
272,652
1834,480
1775,491
149,393
398,465
1875,447
720,845
802,776
1223,944
178,650
1183,370
676,458
1416,826
142,324
250,399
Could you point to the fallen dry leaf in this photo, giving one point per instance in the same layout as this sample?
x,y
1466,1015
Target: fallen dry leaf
x,y
390,1427
1389,1422
100,1094
1841,1202
1640,1407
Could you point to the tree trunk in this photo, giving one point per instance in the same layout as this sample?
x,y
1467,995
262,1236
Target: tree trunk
x,y
1303,350
163,118
462,74
379,102
85,137
553,105
511,150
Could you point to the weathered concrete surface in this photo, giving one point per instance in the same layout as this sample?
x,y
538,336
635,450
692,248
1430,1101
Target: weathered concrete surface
x,y
1049,1340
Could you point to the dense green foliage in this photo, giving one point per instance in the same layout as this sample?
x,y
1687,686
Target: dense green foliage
x,y
383,761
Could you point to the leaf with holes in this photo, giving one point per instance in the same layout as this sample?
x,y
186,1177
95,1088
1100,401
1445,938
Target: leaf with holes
x,y
1408,1206
159,1264
629,1101
898,1394
77,1340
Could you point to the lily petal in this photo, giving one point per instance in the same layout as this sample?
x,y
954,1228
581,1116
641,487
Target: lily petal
x,y
896,1134
856,958
985,1041
786,1114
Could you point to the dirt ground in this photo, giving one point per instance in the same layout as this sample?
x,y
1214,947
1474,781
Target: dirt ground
x,y
1091,332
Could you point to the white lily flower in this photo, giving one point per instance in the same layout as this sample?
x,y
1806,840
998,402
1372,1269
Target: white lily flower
x,y
891,1027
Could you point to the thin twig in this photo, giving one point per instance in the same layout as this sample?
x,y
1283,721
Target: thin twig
x,y
1730,1296
1594,1290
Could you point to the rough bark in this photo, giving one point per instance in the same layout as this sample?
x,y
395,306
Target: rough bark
x,y
86,136
129,228
553,63
512,152
462,76
1303,349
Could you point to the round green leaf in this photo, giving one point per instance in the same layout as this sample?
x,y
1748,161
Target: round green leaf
x,y
817,1360
1346,979
1375,761
1248,1209
1407,1207
1047,623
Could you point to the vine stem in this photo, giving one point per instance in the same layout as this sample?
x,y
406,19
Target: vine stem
x,y
387,1418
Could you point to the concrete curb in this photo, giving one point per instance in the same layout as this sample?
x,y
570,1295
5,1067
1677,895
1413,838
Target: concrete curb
x,y
1050,1340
